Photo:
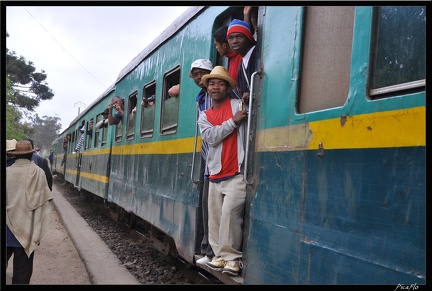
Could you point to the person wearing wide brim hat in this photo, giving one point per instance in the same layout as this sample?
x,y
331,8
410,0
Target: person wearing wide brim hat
x,y
219,72
22,147
28,201
223,127
10,144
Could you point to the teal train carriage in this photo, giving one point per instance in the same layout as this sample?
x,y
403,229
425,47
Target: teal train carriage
x,y
336,144
58,154
88,168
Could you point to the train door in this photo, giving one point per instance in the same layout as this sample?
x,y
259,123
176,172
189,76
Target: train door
x,y
83,142
65,149
250,171
78,158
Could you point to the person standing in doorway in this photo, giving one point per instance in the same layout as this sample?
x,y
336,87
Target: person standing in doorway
x,y
199,68
42,163
240,40
223,127
223,48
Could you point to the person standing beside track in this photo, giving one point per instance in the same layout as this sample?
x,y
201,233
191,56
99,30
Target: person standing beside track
x,y
51,160
42,163
28,210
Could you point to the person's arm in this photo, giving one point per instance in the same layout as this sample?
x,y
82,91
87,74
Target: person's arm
x,y
215,134
247,10
111,119
133,112
174,91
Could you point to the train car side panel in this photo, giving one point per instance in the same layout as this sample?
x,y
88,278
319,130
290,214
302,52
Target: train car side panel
x,y
340,192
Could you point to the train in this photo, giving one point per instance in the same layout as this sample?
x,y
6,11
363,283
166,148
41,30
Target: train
x,y
335,159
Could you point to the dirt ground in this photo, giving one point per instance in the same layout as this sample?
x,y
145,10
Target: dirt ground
x,y
56,260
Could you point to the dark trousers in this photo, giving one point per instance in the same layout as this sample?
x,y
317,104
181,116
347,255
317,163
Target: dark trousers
x,y
22,265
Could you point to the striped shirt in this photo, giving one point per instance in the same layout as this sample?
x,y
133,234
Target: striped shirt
x,y
204,102
80,143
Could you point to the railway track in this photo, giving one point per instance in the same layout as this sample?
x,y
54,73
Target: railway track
x,y
146,257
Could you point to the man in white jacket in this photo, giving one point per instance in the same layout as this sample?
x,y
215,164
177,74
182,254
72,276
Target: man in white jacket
x,y
223,127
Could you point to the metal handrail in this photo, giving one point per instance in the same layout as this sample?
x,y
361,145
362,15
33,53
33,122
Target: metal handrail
x,y
251,97
194,151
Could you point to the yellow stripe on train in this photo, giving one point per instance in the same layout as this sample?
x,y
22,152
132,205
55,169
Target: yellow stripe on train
x,y
397,128
92,176
177,146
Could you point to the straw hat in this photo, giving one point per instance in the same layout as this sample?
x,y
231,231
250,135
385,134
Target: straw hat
x,y
219,72
23,147
10,144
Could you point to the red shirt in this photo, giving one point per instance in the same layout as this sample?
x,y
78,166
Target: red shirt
x,y
234,62
229,145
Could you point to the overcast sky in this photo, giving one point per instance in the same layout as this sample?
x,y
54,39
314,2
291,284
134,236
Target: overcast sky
x,y
82,49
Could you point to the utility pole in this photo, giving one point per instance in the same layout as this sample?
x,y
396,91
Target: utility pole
x,y
79,104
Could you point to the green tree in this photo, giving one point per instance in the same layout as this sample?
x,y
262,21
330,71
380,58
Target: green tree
x,y
45,130
14,129
30,87
25,89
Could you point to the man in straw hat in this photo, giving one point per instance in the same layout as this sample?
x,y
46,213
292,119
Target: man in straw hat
x,y
28,210
223,127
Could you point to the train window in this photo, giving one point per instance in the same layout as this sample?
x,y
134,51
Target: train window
x,y
119,131
98,130
89,133
399,49
99,117
72,142
148,110
75,140
326,57
170,105
104,135
131,116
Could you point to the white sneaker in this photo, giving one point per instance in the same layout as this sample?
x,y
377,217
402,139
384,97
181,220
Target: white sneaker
x,y
204,260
